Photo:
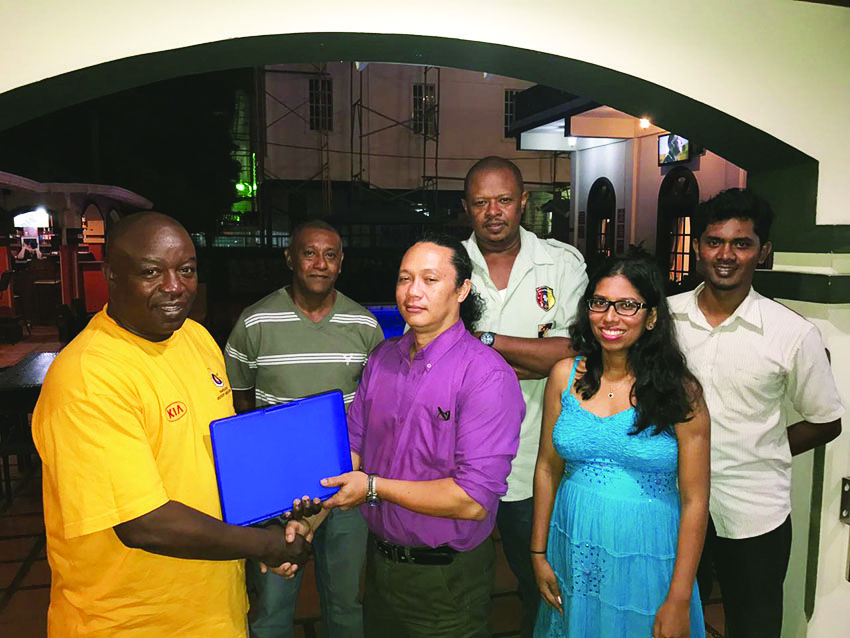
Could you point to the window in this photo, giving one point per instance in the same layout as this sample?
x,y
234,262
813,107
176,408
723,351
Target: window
x,y
321,104
680,249
510,109
424,109
604,238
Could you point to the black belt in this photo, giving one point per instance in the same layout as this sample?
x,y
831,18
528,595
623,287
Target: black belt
x,y
442,555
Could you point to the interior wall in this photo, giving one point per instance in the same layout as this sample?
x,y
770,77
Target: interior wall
x,y
712,172
589,165
615,161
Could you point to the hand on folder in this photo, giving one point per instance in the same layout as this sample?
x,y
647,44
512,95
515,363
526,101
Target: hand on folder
x,y
352,490
304,508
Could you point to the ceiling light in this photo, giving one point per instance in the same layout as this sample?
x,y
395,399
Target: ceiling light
x,y
571,141
644,122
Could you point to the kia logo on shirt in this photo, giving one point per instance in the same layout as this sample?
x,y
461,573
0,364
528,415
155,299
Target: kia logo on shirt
x,y
175,410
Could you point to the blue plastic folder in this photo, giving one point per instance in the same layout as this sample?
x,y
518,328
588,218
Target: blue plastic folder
x,y
266,458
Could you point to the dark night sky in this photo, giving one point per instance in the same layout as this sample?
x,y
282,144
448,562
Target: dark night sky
x,y
169,142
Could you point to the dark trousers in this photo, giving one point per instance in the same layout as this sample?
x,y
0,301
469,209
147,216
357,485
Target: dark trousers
x,y
751,572
429,601
514,520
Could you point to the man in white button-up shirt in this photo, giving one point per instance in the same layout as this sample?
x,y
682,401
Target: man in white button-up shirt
x,y
753,357
531,288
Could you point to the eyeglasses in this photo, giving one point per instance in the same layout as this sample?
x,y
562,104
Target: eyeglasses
x,y
624,307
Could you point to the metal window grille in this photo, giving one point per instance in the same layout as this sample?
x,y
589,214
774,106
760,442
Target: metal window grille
x,y
680,248
510,109
604,243
321,104
424,109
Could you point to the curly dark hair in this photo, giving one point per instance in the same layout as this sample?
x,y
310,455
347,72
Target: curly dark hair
x,y
472,308
734,203
665,390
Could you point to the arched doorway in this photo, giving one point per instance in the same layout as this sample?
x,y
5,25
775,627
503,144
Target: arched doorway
x,y
678,197
601,210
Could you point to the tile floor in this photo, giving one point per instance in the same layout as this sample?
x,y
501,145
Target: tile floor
x,y
25,574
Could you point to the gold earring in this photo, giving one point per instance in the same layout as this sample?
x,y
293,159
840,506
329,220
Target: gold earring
x,y
650,326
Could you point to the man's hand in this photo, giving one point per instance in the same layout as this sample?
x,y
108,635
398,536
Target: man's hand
x,y
352,490
299,528
283,555
304,508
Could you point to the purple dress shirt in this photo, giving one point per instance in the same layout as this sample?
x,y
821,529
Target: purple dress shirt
x,y
454,411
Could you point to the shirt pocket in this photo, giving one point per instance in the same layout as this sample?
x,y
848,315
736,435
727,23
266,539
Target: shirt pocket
x,y
753,386
438,436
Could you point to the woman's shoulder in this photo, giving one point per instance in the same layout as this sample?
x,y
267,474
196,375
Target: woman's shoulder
x,y
559,375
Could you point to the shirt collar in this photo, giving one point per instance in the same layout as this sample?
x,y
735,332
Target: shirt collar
x,y
748,310
434,350
531,252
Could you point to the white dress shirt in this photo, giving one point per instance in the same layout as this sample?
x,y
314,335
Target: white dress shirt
x,y
761,356
546,283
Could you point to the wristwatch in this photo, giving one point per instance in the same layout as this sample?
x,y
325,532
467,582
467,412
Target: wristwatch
x,y
372,498
487,338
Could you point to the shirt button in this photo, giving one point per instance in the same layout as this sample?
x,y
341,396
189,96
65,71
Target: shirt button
x,y
428,366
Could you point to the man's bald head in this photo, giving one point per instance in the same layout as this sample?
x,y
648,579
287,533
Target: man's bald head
x,y
134,228
492,163
150,271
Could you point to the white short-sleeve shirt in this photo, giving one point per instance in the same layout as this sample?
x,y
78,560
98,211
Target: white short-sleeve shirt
x,y
761,356
547,281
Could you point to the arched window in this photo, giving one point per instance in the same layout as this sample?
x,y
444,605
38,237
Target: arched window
x,y
677,199
601,207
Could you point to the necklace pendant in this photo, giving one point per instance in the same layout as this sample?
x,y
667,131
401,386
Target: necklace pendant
x,y
610,395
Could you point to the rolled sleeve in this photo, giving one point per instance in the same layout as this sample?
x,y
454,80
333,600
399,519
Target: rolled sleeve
x,y
811,385
489,418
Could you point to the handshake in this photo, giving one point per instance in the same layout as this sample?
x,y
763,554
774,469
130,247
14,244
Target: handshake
x,y
287,551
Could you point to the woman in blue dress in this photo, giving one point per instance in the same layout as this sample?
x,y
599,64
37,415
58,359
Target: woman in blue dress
x,y
621,483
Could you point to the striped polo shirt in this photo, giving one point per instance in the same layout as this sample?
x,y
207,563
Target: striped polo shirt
x,y
282,354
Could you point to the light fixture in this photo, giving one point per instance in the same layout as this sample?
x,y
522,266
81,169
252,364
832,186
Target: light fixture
x,y
571,141
644,122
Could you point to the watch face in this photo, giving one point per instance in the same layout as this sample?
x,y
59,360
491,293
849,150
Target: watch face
x,y
487,338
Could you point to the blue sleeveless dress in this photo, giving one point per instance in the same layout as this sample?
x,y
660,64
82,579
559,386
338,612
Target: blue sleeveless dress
x,y
613,531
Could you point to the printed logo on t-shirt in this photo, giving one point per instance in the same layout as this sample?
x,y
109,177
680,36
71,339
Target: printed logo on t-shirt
x,y
545,297
175,411
543,328
218,382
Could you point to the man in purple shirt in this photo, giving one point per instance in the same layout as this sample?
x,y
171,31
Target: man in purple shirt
x,y
433,428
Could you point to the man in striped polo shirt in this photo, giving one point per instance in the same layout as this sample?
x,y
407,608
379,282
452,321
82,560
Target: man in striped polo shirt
x,y
300,340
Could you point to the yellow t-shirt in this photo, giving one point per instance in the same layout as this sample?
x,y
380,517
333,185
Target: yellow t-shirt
x,y
122,427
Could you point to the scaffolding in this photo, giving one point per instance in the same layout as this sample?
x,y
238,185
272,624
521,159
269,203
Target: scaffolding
x,y
323,173
424,122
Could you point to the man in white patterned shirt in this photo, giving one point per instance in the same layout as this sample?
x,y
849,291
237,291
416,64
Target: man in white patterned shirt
x,y
753,356
301,340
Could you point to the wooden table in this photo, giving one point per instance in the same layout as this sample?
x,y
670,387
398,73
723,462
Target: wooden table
x,y
20,385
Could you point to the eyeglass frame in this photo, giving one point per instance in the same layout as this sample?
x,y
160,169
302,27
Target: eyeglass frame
x,y
640,306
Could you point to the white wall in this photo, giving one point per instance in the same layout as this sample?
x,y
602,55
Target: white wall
x,y
589,165
471,125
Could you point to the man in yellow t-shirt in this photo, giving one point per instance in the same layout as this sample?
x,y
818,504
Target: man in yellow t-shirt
x,y
122,428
